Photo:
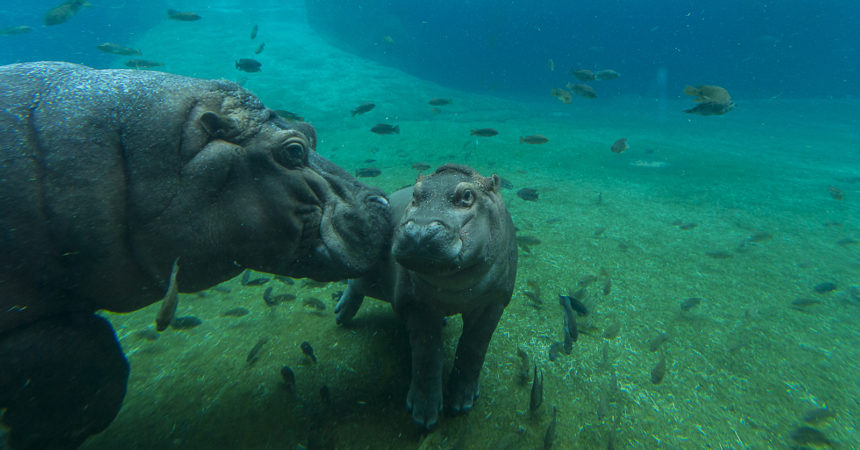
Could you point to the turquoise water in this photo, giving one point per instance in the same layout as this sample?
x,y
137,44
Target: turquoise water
x,y
742,367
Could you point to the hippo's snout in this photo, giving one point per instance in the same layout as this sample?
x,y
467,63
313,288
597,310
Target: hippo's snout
x,y
428,245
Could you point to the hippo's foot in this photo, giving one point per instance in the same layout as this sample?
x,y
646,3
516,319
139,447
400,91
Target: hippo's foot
x,y
62,380
461,393
425,403
349,303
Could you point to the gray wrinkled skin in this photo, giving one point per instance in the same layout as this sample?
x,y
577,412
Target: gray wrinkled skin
x,y
107,176
453,252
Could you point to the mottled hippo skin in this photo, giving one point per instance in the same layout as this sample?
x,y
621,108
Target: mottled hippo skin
x,y
453,251
106,177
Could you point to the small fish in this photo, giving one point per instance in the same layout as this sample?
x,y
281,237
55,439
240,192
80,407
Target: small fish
x,y
620,145
182,16
709,93
289,116
439,102
607,74
484,132
602,404
289,378
550,64
254,31
247,281
272,300
549,436
690,303
718,254
260,48
254,354
612,331
308,351
688,226
142,63
576,299
506,184
659,370
817,415
528,194
170,301
657,341
846,242
64,11
309,283
421,166
586,280
536,397
363,108
582,90
711,109
235,312
249,65
583,74
525,239
823,288
11,31
534,139
523,366
607,286
368,172
116,49
384,128
286,280
315,303
562,95
809,436
803,302
570,330
185,322
836,193
534,297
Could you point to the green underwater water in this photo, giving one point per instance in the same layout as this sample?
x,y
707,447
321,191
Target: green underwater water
x,y
742,367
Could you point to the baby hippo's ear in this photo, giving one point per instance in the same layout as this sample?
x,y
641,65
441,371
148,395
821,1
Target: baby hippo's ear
x,y
216,125
494,183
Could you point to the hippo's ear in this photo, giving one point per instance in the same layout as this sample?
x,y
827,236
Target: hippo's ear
x,y
217,125
493,183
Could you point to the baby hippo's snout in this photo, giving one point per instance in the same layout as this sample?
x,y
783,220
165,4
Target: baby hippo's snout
x,y
425,245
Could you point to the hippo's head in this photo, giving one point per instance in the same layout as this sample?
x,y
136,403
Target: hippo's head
x,y
451,225
253,192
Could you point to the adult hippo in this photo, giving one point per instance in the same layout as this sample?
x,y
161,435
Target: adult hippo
x,y
109,176
453,252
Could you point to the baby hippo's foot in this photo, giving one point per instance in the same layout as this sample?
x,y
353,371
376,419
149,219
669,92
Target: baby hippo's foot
x,y
424,403
461,394
349,303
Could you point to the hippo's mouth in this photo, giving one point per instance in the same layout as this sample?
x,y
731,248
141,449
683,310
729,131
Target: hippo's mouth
x,y
351,240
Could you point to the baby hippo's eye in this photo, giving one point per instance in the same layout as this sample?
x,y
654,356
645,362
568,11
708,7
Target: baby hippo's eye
x,y
467,197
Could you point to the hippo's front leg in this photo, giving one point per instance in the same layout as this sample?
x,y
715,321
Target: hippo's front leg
x,y
424,399
478,327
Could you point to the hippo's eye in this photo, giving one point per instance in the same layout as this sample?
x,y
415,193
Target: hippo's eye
x,y
467,197
293,152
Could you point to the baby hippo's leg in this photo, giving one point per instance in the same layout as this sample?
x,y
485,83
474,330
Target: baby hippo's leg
x,y
350,301
478,328
424,399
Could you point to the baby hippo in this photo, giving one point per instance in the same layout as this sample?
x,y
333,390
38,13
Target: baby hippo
x,y
453,252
